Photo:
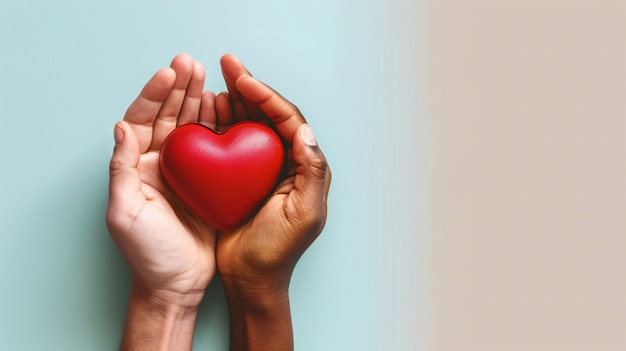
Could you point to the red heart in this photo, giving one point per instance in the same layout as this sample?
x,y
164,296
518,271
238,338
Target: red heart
x,y
222,177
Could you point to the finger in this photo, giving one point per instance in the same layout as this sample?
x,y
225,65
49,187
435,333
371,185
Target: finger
x,y
142,113
223,111
232,69
124,181
240,112
193,96
285,115
166,120
312,181
208,116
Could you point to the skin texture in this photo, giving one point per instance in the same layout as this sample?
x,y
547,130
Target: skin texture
x,y
172,254
256,261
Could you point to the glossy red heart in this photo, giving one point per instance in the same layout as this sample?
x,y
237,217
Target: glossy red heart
x,y
222,177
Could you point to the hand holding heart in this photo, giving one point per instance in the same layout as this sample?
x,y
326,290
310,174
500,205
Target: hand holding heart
x,y
171,251
256,260
269,245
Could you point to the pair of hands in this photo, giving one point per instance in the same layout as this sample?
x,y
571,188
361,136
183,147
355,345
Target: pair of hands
x,y
173,255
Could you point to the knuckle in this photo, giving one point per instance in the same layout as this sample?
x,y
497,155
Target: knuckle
x,y
314,216
318,165
115,166
308,216
295,110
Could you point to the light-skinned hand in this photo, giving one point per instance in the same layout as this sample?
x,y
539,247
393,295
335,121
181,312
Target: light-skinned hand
x,y
170,251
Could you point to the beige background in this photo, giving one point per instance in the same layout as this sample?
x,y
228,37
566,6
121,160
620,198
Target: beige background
x,y
528,106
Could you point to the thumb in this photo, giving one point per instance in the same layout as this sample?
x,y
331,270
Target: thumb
x,y
124,181
313,176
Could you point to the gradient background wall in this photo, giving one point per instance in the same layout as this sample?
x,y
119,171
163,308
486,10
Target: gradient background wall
x,y
69,69
479,166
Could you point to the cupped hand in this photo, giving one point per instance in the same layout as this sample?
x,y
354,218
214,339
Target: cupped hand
x,y
171,252
262,253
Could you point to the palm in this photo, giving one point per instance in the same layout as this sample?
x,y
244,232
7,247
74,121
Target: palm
x,y
261,245
274,238
165,244
188,243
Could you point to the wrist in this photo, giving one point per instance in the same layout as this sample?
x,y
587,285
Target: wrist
x,y
255,296
166,299
260,317
256,290
158,320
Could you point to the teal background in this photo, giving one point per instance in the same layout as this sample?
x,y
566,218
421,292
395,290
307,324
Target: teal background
x,y
68,71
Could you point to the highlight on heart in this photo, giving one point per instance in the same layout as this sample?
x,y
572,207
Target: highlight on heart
x,y
223,177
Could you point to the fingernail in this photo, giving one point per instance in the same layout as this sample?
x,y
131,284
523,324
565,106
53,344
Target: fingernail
x,y
118,134
307,136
